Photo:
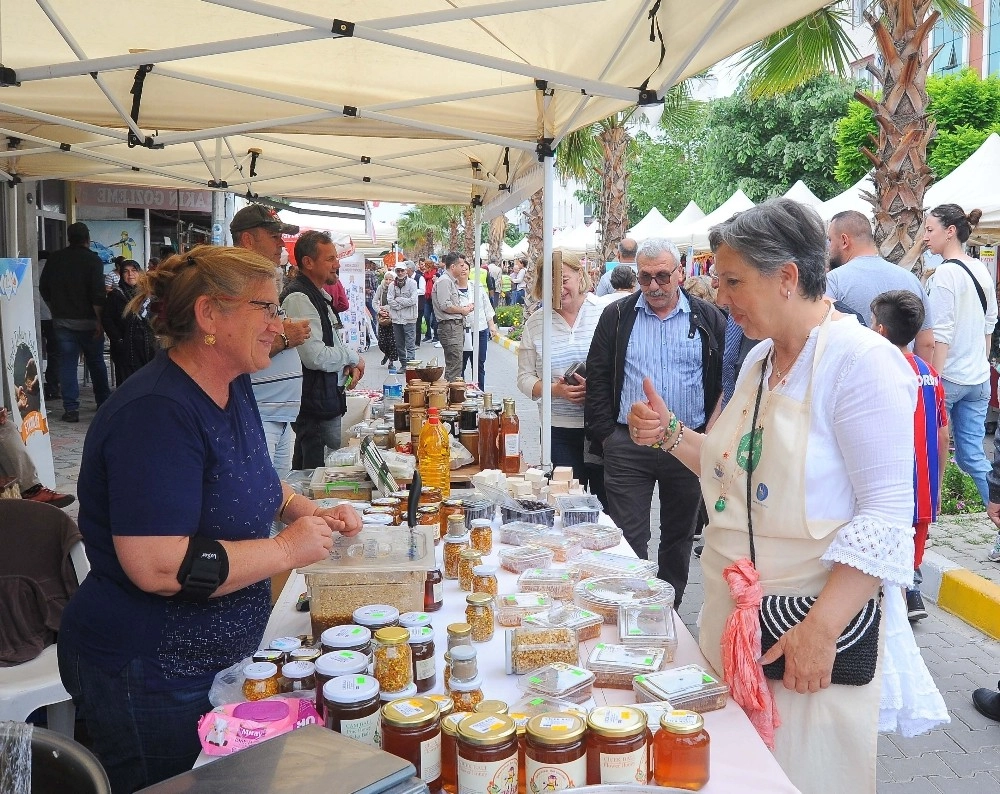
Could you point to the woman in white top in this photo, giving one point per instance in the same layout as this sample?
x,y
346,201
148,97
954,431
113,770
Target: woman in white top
x,y
480,321
822,416
572,331
963,325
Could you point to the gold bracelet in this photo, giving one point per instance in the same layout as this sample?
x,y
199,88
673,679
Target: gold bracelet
x,y
284,505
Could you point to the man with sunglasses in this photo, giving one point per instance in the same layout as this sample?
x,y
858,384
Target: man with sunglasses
x,y
675,339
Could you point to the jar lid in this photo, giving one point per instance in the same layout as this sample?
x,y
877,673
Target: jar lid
x,y
392,635
479,599
486,729
520,720
402,494
298,670
471,554
556,728
491,707
268,655
449,538
345,636
453,502
304,654
682,722
484,570
407,691
260,671
285,644
419,634
449,723
410,620
463,653
410,712
376,615
431,490
476,523
459,629
380,510
617,721
444,703
471,685
387,501
379,519
341,663
429,509
346,689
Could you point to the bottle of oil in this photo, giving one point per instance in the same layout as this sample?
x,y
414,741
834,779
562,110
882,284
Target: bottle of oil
x,y
510,439
435,454
489,432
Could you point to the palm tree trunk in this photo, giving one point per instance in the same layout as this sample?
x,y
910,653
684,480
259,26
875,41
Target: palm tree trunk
x,y
453,233
901,172
535,231
614,189
468,222
498,227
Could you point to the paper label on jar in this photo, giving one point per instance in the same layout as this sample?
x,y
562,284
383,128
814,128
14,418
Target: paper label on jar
x,y
512,444
487,777
438,591
626,768
558,723
365,730
486,725
430,758
555,777
406,708
425,669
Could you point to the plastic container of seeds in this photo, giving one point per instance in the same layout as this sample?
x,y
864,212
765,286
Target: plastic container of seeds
x,y
605,594
615,666
556,582
595,537
585,623
529,648
521,558
578,508
564,547
560,681
689,687
511,609
529,511
518,533
605,563
644,625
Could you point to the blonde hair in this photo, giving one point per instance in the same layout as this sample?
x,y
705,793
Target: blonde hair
x,y
177,283
570,260
700,287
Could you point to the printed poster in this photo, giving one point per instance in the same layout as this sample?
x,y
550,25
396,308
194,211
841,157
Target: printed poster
x,y
23,365
124,237
352,276
988,256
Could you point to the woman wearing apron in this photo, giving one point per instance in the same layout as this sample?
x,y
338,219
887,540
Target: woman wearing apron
x,y
831,493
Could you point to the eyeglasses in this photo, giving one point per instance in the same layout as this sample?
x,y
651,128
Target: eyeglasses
x,y
714,276
662,278
272,310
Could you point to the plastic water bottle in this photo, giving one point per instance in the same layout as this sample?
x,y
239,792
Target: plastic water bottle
x,y
435,454
392,392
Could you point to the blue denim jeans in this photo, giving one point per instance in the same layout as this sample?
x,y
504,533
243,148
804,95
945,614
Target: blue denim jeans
x,y
967,413
484,340
71,344
140,737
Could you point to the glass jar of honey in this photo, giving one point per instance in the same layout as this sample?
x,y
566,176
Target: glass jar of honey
x,y
467,560
484,579
434,590
430,516
450,507
487,754
555,752
260,680
351,707
453,548
335,665
349,637
411,730
414,620
481,535
430,495
422,650
492,707
444,703
479,614
393,659
392,503
681,750
616,749
376,616
297,677
449,750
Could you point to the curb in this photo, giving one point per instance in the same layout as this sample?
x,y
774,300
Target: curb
x,y
961,592
510,344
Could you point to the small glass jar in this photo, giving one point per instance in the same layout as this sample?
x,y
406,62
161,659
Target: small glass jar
x,y
334,665
376,616
492,707
260,680
414,620
450,507
464,664
268,655
444,703
459,634
555,752
430,495
371,513
487,754
305,655
351,707
297,677
479,614
393,659
456,527
467,560
466,694
453,547
449,750
681,751
391,502
286,645
482,536
411,730
402,694
616,750
430,516
484,579
446,672
434,591
347,638
422,650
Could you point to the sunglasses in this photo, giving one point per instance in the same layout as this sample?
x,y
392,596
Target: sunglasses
x,y
662,278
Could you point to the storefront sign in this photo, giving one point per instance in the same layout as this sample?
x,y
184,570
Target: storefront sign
x,y
154,198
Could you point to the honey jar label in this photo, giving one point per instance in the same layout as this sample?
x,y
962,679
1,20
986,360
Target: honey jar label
x,y
626,767
365,730
487,725
407,708
430,758
487,777
554,777
558,723
425,669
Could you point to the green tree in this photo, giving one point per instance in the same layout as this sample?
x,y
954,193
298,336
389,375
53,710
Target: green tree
x,y
954,147
855,130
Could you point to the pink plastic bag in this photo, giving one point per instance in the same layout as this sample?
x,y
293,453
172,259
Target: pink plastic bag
x,y
236,726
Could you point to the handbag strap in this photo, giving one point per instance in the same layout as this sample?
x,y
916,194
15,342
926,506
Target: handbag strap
x,y
975,281
750,463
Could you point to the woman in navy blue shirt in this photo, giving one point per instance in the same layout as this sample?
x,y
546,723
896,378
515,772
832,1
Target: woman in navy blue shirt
x,y
177,495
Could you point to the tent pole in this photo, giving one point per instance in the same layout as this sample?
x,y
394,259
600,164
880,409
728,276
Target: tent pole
x,y
477,215
62,122
549,166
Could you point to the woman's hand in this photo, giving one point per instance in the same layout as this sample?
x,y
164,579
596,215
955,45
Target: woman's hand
x,y
306,540
809,655
575,393
646,421
342,518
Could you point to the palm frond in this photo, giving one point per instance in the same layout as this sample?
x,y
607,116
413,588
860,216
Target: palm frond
x,y
958,16
578,154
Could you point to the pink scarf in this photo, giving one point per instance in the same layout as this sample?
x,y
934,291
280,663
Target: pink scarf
x,y
741,651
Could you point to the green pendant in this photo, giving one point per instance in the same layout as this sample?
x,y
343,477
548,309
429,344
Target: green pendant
x,y
720,504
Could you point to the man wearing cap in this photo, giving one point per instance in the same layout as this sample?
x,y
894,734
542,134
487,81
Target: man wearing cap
x,y
278,388
72,284
401,298
450,313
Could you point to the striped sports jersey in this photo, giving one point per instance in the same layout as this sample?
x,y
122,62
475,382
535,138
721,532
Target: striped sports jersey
x,y
929,417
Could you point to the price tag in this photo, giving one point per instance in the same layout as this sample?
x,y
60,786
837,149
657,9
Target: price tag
x,y
486,725
407,708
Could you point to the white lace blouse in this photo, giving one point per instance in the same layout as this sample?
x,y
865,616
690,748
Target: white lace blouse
x,y
859,466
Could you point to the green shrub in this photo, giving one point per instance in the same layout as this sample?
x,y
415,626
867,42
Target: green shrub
x,y
510,316
959,493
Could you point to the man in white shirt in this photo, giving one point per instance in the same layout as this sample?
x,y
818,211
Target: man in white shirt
x,y
626,256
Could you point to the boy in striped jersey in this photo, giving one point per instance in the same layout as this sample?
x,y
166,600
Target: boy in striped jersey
x,y
897,315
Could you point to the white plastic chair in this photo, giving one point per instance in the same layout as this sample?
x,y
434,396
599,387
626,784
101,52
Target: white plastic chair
x,y
31,685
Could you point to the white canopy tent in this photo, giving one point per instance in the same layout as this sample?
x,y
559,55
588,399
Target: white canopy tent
x,y
696,234
653,225
692,213
801,193
851,199
506,252
580,239
973,185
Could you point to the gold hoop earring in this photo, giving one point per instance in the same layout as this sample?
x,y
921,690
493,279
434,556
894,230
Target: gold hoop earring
x,y
209,339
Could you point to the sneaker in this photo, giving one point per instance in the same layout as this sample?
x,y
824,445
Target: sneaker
x,y
915,606
994,555
47,496
437,344
698,550
71,416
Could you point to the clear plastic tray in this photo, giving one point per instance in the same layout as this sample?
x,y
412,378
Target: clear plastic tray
x,y
605,594
511,609
528,511
560,681
556,582
647,625
578,508
654,711
615,666
605,563
595,537
585,623
529,648
519,533
563,546
690,687
533,705
521,558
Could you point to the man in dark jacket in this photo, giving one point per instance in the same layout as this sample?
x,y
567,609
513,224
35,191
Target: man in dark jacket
x,y
675,339
72,285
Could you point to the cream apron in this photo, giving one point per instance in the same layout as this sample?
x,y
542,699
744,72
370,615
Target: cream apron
x,y
827,740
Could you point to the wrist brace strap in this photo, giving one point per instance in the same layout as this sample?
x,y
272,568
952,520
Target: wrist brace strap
x,y
204,569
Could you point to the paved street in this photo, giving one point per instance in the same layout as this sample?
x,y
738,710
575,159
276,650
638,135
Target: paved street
x,y
962,757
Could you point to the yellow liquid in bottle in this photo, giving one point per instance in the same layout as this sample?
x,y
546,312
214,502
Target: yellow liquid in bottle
x,y
435,455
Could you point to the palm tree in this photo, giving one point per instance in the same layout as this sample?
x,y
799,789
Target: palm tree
x,y
899,154
498,229
421,229
468,233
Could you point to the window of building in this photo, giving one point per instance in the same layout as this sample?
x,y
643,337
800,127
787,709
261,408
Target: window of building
x,y
858,12
992,37
952,56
